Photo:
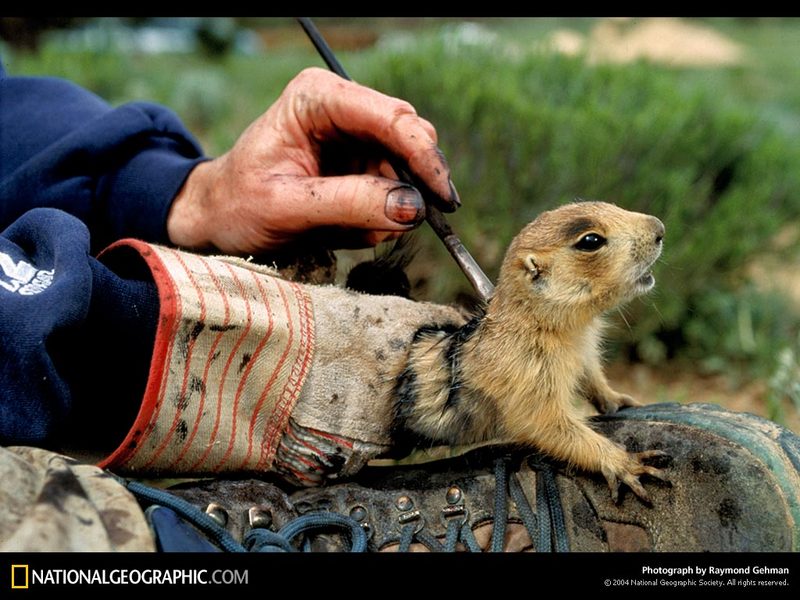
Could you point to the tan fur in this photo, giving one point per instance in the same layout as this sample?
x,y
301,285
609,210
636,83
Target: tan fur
x,y
538,345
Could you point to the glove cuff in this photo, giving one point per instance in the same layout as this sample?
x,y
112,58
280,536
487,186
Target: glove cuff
x,y
233,348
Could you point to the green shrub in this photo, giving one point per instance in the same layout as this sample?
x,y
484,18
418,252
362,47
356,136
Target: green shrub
x,y
527,133
748,328
217,100
784,382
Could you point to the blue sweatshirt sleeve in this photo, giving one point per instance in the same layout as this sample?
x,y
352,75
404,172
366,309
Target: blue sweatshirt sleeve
x,y
116,169
76,337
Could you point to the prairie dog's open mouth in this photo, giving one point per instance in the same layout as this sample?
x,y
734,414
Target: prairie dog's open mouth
x,y
646,281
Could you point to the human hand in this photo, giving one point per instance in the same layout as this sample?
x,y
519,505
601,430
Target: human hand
x,y
315,161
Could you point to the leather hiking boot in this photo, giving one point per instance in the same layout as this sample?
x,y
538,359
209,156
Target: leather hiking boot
x,y
734,487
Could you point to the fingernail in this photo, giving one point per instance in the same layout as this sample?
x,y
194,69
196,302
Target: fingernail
x,y
404,205
454,197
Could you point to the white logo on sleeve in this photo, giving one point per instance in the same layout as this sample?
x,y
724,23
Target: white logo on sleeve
x,y
22,277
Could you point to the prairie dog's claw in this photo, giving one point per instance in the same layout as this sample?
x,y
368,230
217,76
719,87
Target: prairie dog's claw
x,y
629,472
632,481
625,400
613,485
640,456
612,401
655,473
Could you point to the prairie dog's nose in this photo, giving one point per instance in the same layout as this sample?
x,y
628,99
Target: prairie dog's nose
x,y
658,229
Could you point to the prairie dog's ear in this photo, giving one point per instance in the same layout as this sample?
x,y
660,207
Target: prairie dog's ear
x,y
533,269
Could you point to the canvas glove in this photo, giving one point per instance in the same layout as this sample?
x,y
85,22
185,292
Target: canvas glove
x,y
254,373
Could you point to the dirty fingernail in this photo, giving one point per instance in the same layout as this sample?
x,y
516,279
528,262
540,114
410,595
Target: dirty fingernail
x,y
404,206
454,197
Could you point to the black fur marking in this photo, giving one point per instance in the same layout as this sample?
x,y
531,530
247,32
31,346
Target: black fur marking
x,y
453,358
405,391
385,275
434,328
405,395
576,227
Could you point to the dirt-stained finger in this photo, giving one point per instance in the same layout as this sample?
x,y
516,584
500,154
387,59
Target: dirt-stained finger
x,y
326,105
348,202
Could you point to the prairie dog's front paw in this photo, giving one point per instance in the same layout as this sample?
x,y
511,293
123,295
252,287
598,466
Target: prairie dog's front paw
x,y
611,401
626,468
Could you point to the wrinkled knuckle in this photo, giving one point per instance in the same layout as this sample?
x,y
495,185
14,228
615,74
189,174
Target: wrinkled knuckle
x,y
312,73
308,76
429,129
405,108
402,112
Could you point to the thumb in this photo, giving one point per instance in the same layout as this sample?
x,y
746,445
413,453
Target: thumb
x,y
358,201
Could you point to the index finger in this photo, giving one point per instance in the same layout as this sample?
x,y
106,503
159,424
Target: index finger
x,y
345,106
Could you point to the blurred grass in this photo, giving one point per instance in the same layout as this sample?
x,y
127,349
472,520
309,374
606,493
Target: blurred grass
x,y
216,100
770,82
530,131
711,151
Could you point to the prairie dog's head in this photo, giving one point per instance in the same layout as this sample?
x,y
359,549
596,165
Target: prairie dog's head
x,y
585,257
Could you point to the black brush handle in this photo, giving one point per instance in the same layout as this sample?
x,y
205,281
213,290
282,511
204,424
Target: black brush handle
x,y
436,219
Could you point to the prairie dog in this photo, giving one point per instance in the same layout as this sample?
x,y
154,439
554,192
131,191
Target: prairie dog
x,y
511,374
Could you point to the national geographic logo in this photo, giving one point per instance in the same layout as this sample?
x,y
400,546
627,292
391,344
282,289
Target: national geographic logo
x,y
19,577
22,576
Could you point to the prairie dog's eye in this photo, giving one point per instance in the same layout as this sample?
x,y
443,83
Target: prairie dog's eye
x,y
591,242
